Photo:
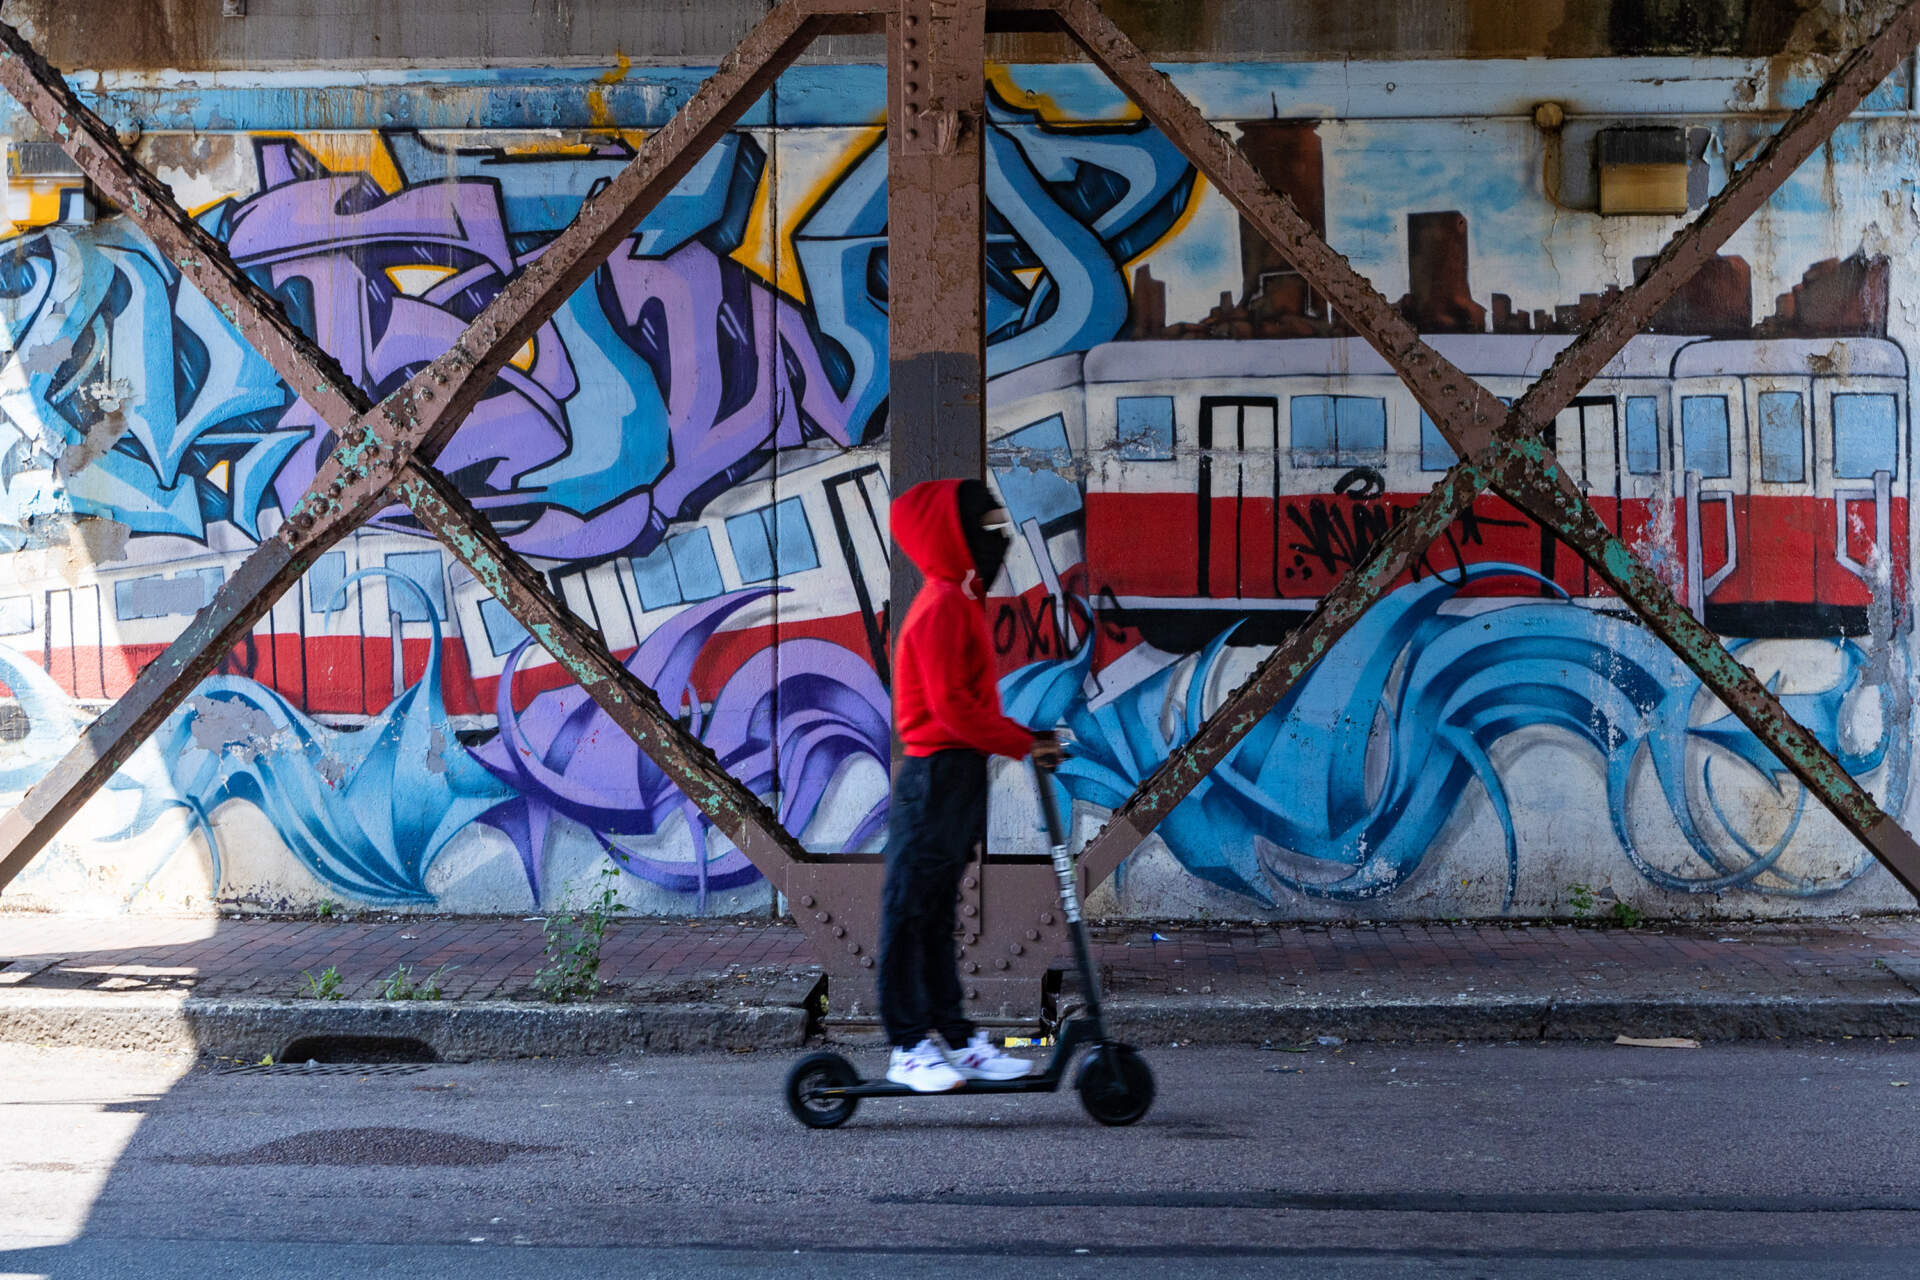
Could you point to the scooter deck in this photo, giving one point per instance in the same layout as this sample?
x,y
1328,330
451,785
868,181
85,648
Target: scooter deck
x,y
881,1087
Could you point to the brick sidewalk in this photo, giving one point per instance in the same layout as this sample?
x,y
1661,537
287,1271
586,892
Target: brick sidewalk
x,y
672,959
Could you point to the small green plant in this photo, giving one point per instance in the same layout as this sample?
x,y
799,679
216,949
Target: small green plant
x,y
325,909
402,985
1582,898
572,971
324,985
1627,916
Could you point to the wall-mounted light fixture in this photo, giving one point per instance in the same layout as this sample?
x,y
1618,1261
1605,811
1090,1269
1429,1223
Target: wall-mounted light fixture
x,y
1643,169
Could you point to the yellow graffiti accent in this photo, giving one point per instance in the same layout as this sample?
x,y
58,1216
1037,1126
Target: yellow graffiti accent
x,y
360,151
220,475
621,65
757,249
1173,232
599,115
35,202
524,357
1045,106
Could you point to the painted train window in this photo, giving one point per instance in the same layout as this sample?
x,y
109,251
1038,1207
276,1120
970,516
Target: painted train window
x,y
1703,436
1866,432
504,631
1435,453
424,570
160,596
1783,437
324,579
1338,431
680,570
772,540
1035,471
1143,428
1643,435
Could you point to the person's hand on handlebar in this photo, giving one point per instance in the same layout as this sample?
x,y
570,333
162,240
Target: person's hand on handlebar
x,y
1048,751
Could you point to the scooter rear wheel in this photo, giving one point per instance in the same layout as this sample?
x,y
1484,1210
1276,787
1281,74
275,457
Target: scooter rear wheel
x,y
1115,1084
809,1076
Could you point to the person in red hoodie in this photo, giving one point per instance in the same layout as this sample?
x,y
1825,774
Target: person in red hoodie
x,y
946,706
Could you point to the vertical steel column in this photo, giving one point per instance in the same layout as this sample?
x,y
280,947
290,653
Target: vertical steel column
x,y
936,104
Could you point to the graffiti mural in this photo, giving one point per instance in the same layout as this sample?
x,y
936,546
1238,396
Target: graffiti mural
x,y
694,450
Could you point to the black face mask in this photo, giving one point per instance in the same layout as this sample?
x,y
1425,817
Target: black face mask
x,y
988,546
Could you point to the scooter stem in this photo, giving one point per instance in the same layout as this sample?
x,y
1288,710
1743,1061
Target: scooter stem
x,y
1064,872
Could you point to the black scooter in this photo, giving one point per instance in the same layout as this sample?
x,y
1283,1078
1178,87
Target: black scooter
x,y
1114,1083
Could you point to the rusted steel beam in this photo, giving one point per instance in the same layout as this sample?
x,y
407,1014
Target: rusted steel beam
x,y
735,811
936,316
1576,523
1804,132
353,483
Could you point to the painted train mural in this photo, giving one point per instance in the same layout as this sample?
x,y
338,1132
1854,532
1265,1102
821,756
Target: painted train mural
x,y
694,450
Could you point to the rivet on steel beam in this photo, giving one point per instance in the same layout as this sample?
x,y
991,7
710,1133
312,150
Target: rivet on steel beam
x,y
839,931
1002,964
823,916
971,882
853,948
969,910
806,899
973,993
972,967
972,938
866,962
1017,949
1033,935
1046,917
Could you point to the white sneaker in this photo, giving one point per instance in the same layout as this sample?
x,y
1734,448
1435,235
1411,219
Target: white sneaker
x,y
924,1069
981,1061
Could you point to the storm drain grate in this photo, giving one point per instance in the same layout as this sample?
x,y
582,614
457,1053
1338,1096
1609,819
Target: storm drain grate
x,y
326,1069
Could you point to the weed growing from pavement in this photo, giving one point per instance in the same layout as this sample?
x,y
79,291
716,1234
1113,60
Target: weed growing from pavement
x,y
1627,916
324,985
572,971
325,909
1582,899
401,984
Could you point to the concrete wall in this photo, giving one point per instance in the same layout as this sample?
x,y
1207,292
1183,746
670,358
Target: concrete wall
x,y
1194,447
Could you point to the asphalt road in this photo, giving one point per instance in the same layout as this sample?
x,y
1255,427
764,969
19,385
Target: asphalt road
x,y
1570,1161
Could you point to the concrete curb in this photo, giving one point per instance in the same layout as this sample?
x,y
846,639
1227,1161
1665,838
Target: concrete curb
x,y
1759,1017
456,1031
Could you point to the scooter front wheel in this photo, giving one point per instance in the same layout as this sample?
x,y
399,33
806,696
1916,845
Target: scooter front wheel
x,y
805,1085
1115,1084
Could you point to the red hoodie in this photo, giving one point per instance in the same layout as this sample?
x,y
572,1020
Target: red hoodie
x,y
944,692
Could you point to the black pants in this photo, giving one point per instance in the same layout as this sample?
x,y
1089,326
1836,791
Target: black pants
x,y
938,817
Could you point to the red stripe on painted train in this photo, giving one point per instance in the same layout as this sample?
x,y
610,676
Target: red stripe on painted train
x,y
1767,479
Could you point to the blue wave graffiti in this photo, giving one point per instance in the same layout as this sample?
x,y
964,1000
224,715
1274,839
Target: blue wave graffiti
x,y
785,722
367,811
1450,686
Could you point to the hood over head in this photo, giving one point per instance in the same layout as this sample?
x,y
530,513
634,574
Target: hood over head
x,y
931,523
